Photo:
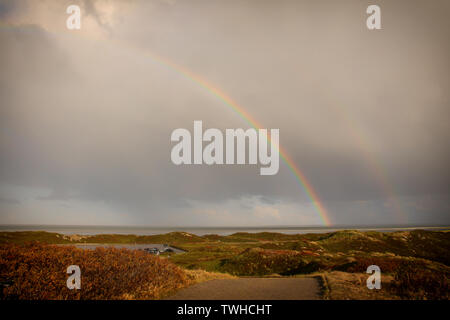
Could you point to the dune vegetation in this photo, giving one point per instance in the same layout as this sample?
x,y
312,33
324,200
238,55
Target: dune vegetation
x,y
38,271
414,264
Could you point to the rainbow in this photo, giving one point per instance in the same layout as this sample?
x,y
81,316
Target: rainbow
x,y
299,176
373,164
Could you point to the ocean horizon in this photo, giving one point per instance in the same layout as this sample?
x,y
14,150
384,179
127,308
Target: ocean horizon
x,y
200,231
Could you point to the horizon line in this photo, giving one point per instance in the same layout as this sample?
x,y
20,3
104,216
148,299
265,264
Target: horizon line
x,y
393,225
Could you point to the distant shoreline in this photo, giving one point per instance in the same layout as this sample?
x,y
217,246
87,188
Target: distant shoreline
x,y
200,231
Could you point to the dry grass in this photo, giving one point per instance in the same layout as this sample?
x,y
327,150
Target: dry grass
x,y
352,286
39,272
415,282
197,276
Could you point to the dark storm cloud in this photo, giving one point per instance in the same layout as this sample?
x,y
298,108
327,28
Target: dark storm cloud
x,y
363,114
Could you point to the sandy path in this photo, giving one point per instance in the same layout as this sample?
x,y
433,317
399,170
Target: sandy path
x,y
252,288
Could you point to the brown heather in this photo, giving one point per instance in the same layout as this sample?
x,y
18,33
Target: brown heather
x,y
38,271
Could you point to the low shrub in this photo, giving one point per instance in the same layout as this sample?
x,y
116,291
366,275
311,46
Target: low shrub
x,y
256,261
38,271
386,264
414,282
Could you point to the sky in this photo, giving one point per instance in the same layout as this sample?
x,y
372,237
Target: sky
x,y
86,115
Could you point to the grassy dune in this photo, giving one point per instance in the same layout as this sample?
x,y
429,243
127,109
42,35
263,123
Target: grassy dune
x,y
414,264
38,271
56,238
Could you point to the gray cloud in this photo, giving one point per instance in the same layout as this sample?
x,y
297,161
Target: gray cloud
x,y
363,113
9,201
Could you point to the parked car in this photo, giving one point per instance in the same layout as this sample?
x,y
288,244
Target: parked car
x,y
152,250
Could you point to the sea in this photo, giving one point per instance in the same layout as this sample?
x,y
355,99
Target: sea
x,y
200,231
